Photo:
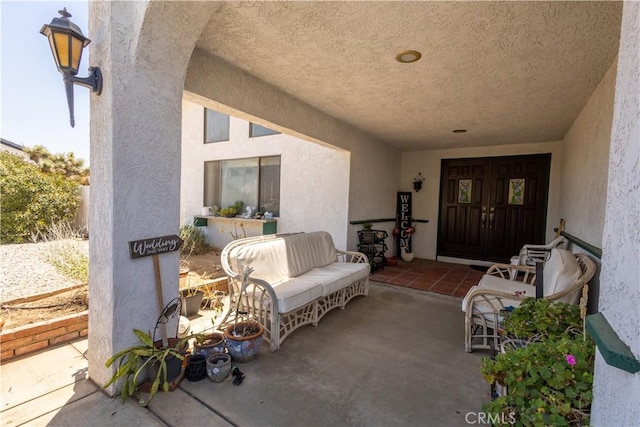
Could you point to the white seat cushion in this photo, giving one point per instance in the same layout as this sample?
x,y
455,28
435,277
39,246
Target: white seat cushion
x,y
340,275
295,292
498,284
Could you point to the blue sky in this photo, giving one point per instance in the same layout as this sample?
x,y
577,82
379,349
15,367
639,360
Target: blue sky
x,y
34,105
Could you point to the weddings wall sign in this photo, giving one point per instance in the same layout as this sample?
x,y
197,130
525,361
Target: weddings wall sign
x,y
154,246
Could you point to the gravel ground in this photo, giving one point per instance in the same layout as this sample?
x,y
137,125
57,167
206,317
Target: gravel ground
x,y
25,271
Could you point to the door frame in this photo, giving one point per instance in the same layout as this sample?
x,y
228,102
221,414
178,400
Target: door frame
x,y
542,223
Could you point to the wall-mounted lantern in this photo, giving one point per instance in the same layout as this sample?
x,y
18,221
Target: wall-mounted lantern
x,y
417,182
67,42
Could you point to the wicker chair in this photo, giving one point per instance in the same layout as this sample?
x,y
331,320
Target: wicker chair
x,y
485,303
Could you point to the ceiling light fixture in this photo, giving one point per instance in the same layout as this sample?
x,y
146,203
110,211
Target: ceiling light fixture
x,y
459,130
408,56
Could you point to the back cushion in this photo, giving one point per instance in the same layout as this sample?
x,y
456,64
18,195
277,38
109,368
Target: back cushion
x,y
560,271
284,257
268,259
309,250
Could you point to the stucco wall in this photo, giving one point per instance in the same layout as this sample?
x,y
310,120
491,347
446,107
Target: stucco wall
x,y
314,191
586,162
426,202
135,163
374,165
616,392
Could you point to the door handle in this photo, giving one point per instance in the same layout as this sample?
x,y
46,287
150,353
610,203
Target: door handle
x,y
483,218
492,217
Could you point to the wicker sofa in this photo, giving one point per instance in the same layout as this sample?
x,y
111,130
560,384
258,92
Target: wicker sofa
x,y
297,279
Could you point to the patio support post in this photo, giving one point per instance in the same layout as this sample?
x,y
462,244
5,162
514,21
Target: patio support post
x,y
135,163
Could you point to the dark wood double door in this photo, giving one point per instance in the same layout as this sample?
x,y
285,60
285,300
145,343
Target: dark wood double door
x,y
491,207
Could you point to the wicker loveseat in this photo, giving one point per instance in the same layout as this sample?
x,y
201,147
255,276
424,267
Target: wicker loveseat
x,y
564,276
297,279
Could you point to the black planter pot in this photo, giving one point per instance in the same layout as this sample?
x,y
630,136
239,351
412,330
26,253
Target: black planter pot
x,y
174,365
196,367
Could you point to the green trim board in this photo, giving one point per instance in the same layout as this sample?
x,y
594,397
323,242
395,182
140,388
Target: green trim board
x,y
593,250
200,222
362,221
614,351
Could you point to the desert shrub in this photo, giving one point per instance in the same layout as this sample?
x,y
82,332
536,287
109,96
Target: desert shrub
x,y
65,250
32,200
195,242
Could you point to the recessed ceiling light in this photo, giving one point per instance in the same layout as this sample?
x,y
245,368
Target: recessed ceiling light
x,y
459,130
408,56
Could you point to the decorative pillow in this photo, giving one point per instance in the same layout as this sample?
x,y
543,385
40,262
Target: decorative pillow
x,y
560,271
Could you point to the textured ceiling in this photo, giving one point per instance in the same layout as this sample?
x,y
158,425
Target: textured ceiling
x,y
509,72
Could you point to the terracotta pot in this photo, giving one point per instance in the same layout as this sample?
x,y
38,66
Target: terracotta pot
x,y
391,260
182,278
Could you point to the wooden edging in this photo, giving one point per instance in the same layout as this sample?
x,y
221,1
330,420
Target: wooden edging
x,y
32,298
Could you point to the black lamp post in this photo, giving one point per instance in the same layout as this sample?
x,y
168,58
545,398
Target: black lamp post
x,y
67,42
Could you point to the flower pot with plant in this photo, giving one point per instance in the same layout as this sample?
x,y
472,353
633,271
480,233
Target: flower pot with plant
x,y
208,344
546,378
160,359
191,300
243,339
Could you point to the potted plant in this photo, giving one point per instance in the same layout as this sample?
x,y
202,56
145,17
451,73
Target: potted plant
x,y
548,382
164,363
243,339
208,344
544,373
191,300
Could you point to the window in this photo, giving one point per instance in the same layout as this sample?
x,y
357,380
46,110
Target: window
x,y
255,181
216,126
257,130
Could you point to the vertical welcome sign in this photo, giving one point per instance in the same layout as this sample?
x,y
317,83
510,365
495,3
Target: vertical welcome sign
x,y
403,221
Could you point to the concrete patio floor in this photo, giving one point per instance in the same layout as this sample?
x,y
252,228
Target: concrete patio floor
x,y
393,358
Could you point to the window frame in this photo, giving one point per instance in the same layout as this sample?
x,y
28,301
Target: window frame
x,y
204,137
251,131
215,196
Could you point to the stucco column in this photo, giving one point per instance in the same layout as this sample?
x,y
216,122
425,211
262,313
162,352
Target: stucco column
x,y
615,391
143,50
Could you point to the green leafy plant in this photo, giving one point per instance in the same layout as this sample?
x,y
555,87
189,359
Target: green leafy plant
x,y
548,382
132,361
543,319
32,200
367,226
548,378
233,210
